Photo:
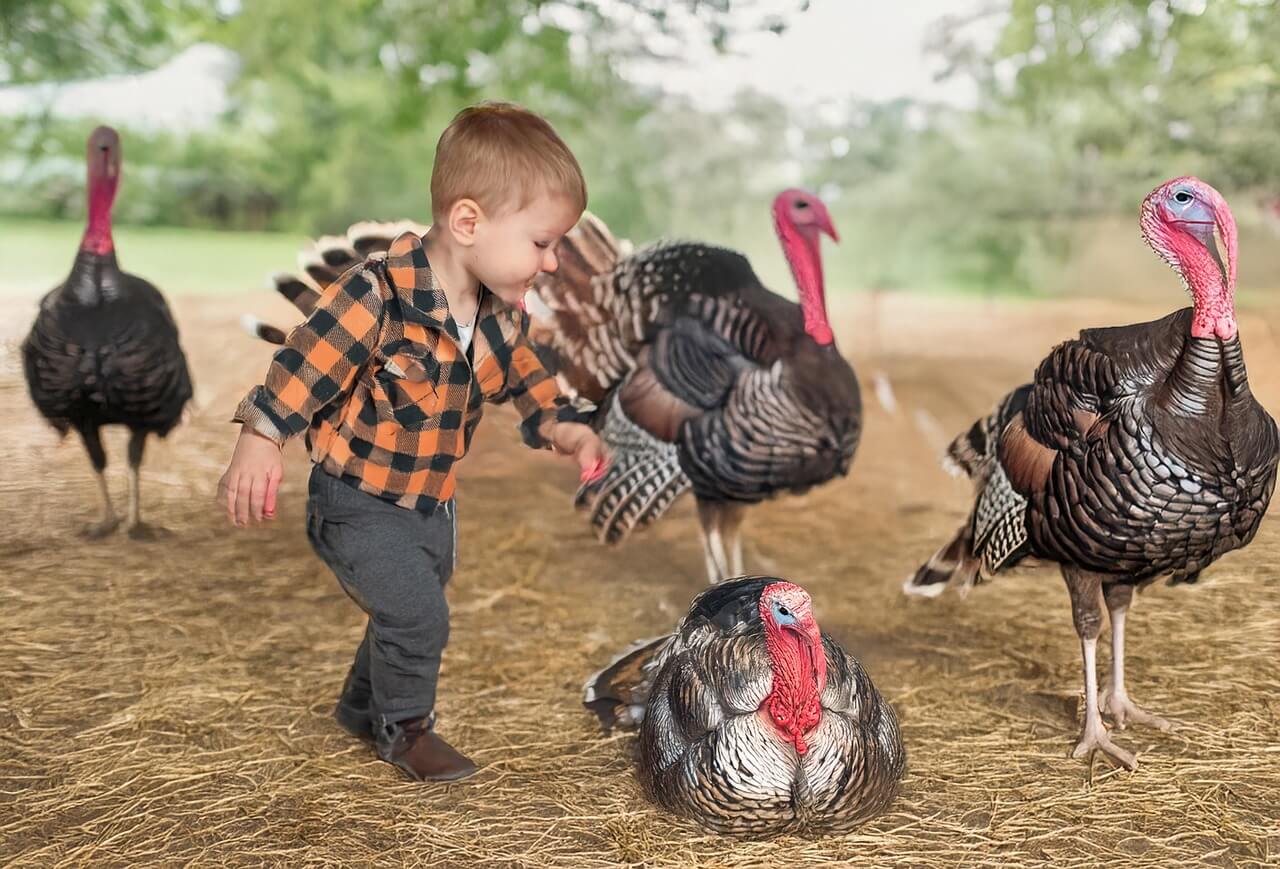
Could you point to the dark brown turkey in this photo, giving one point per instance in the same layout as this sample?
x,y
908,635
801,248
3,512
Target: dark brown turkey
x,y
1137,452
751,719
104,348
704,378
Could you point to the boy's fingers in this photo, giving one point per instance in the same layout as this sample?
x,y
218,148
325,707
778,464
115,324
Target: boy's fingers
x,y
229,496
594,471
273,486
257,497
242,503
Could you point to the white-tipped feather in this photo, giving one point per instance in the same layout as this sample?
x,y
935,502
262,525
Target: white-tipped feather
x,y
932,590
884,392
389,229
952,467
536,307
250,324
313,254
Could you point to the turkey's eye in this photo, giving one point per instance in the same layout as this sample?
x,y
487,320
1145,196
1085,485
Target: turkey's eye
x,y
802,204
783,611
1182,197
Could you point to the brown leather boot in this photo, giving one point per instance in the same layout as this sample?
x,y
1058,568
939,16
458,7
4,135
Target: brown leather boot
x,y
415,748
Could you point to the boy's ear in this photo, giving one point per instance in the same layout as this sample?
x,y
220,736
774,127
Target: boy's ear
x,y
464,217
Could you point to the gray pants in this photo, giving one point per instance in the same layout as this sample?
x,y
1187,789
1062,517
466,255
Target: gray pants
x,y
394,564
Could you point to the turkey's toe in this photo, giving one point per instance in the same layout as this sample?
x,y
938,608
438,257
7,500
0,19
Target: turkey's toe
x,y
98,530
1122,711
143,531
1095,738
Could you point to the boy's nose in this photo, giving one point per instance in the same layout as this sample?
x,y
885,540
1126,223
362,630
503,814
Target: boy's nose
x,y
549,262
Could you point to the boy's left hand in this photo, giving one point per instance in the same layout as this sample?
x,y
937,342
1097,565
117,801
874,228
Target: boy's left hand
x,y
585,446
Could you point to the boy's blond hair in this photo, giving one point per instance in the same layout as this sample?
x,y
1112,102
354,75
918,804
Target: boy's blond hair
x,y
503,156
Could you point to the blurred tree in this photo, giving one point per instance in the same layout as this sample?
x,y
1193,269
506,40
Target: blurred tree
x,y
337,107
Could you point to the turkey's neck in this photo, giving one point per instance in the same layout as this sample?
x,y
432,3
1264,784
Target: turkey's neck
x,y
1212,298
799,675
805,258
1213,350
97,235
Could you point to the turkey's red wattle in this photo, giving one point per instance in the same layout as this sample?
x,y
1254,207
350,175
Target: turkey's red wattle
x,y
805,258
102,194
799,675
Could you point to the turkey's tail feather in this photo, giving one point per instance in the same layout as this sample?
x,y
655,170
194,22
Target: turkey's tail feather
x,y
264,331
619,693
574,318
975,450
954,562
642,481
323,261
301,293
992,537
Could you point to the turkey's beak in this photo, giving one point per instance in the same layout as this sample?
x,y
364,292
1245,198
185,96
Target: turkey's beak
x,y
829,228
806,627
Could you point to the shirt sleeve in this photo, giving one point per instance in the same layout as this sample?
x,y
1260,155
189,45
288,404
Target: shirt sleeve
x,y
534,390
320,359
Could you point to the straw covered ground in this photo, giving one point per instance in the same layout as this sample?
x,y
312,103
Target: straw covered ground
x,y
169,701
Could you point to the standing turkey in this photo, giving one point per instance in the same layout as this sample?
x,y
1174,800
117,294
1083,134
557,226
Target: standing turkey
x,y
104,348
751,719
1138,451
704,378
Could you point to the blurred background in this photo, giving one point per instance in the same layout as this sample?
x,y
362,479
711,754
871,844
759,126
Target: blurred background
x,y
994,147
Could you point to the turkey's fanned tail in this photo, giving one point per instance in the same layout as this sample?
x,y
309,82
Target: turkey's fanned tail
x,y
618,693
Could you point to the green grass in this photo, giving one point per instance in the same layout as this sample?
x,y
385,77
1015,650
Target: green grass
x,y
37,256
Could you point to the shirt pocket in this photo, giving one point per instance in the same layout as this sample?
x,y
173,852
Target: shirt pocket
x,y
409,391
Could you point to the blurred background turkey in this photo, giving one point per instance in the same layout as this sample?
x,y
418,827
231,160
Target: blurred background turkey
x,y
104,348
983,162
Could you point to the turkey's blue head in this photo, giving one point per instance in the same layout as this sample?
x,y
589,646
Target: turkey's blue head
x,y
1182,220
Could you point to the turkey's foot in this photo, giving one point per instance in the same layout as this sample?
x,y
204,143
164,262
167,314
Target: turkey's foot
x,y
143,531
1122,711
1095,738
99,530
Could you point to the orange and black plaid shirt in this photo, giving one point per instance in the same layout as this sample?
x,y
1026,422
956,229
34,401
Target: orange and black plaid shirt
x,y
377,380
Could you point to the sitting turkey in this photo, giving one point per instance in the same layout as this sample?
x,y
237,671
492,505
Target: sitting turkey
x,y
753,721
104,348
1138,451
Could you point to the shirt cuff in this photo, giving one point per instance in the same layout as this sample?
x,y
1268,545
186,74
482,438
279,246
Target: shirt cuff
x,y
252,413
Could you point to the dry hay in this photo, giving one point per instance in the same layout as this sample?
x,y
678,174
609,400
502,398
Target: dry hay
x,y
169,702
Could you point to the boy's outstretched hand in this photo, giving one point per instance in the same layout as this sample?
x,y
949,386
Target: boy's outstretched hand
x,y
584,445
252,479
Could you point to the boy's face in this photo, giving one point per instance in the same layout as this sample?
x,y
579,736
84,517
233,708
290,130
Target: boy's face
x,y
512,249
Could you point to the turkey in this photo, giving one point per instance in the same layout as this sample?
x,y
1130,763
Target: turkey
x,y
751,719
104,348
704,379
1137,452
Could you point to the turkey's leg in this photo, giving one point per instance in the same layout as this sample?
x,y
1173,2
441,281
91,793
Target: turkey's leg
x,y
1086,611
1115,699
731,516
138,530
98,457
712,542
